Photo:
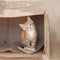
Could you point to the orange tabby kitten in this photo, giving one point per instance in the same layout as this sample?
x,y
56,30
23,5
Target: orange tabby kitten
x,y
29,35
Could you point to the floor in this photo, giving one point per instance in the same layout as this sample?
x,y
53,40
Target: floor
x,y
22,56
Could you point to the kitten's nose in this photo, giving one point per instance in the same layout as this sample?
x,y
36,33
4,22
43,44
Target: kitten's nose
x,y
30,25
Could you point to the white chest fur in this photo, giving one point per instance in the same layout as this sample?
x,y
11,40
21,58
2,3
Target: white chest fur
x,y
31,33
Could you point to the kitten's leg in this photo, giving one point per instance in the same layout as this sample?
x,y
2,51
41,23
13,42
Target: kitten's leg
x,y
28,47
33,46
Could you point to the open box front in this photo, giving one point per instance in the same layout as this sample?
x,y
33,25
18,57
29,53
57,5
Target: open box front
x,y
10,36
10,32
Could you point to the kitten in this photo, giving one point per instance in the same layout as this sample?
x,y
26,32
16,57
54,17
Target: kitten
x,y
29,35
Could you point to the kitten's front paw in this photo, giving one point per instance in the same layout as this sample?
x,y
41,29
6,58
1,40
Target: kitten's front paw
x,y
26,48
30,49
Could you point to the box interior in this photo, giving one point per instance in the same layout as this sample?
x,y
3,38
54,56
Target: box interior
x,y
10,32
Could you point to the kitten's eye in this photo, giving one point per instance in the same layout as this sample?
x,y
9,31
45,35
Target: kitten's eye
x,y
26,27
30,24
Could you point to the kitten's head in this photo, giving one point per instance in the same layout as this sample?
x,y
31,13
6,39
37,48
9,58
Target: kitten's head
x,y
29,24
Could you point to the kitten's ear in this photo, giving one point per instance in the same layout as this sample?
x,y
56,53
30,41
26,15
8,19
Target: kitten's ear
x,y
22,26
29,20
